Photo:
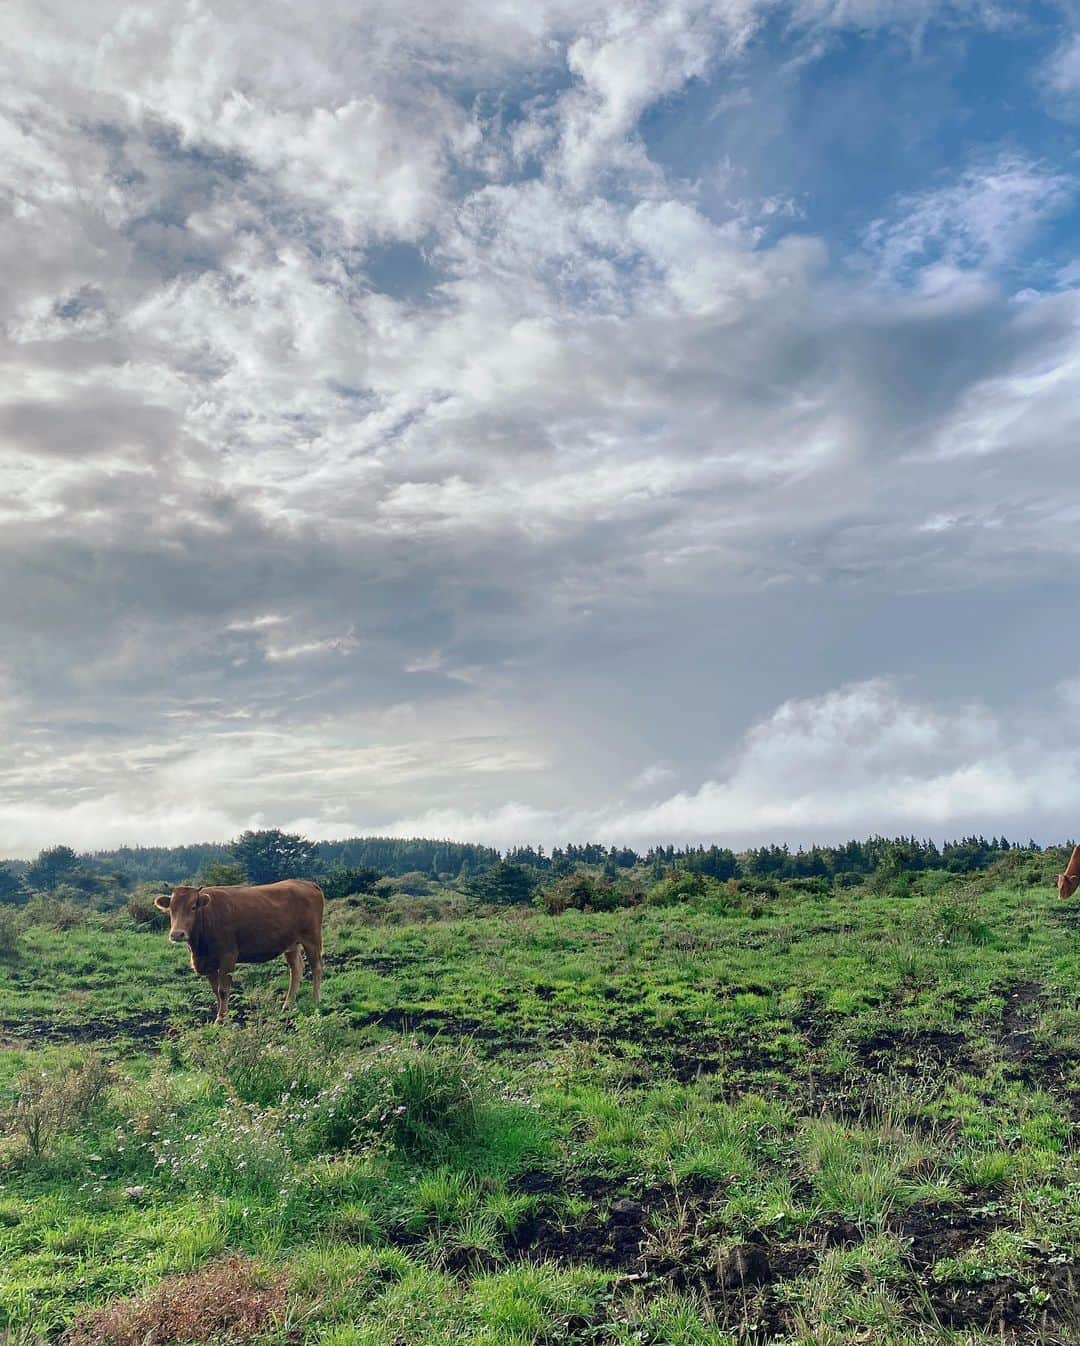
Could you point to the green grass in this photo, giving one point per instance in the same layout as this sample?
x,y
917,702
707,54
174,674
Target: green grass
x,y
831,1119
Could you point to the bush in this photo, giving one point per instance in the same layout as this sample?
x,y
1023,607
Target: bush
x,y
678,886
233,1300
396,909
141,909
9,933
418,1099
345,881
48,1103
244,1151
221,874
412,885
756,887
958,919
62,911
503,885
816,885
260,1060
585,892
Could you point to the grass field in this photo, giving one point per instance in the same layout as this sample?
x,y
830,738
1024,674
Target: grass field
x,y
846,1118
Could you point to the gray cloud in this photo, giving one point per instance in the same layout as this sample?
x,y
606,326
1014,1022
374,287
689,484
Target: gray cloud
x,y
390,431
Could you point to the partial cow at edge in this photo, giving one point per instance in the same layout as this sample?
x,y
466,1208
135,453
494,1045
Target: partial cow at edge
x,y
223,926
1069,881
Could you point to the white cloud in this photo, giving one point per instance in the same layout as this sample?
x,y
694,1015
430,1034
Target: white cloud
x,y
202,783
636,56
1061,76
656,773
257,623
364,379
1028,409
857,761
980,221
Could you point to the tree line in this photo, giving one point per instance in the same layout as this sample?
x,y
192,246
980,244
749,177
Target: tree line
x,y
357,864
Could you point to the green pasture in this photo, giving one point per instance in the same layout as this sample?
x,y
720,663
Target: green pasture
x,y
844,1118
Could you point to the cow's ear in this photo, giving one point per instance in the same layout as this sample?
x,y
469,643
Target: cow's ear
x,y
202,898
162,901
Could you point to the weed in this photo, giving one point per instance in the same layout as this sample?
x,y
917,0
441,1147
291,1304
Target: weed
x,y
260,1060
537,1302
141,910
9,933
416,1098
57,912
48,1102
233,1299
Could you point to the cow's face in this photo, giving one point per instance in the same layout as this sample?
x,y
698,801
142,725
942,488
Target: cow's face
x,y
183,908
1068,884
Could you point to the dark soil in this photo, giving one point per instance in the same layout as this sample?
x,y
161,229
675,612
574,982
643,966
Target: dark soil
x,y
1016,1016
384,965
620,1234
1038,1065
998,1305
147,1027
742,1276
442,1023
916,1053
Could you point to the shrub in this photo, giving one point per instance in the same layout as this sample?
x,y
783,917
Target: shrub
x,y
815,884
243,1151
958,919
62,911
503,885
585,892
261,1060
678,886
756,887
413,884
396,909
231,1300
348,882
221,874
407,1096
140,906
47,1103
9,933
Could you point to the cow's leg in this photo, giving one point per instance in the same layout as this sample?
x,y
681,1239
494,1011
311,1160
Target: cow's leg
x,y
292,957
212,978
224,986
314,957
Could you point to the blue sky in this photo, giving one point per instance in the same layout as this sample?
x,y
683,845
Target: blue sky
x,y
635,421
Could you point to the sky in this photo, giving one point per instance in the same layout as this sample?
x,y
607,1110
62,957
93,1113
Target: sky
x,y
544,421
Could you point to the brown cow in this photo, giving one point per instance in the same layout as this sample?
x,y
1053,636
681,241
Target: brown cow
x,y
248,924
1070,879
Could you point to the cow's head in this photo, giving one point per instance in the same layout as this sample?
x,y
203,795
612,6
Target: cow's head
x,y
183,907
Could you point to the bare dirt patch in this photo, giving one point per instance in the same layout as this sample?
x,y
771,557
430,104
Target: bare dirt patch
x,y
147,1026
743,1276
916,1053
